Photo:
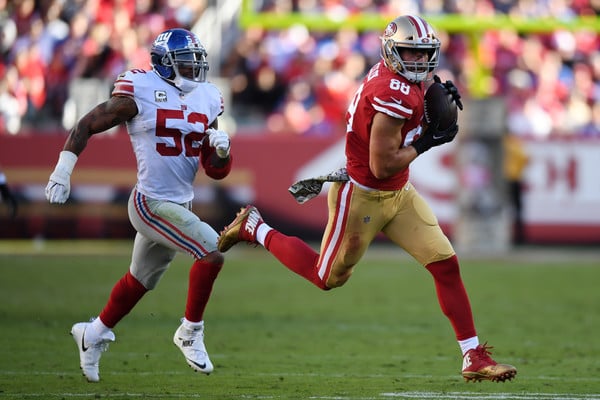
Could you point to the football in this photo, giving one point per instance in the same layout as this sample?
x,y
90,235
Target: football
x,y
440,106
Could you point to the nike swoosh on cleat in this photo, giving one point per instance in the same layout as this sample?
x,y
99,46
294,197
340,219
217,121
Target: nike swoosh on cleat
x,y
83,342
201,366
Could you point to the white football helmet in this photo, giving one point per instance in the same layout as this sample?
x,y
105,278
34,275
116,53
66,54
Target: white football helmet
x,y
409,31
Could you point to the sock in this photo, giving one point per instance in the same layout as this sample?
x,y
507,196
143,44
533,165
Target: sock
x,y
202,278
123,297
95,330
192,325
452,296
261,233
296,255
468,344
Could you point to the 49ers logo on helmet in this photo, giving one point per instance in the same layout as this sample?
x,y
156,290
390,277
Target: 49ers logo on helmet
x,y
390,29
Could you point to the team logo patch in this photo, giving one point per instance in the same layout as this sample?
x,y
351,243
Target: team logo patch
x,y
390,29
160,96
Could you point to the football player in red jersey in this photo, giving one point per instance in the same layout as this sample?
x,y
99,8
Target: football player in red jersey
x,y
384,134
171,116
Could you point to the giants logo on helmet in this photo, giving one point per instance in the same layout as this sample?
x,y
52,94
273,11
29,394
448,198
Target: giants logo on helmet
x,y
163,38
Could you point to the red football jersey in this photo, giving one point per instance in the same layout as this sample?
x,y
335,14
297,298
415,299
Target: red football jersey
x,y
389,93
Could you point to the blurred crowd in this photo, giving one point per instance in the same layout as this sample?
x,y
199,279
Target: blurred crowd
x,y
296,81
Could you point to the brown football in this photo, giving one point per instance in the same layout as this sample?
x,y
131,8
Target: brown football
x,y
439,106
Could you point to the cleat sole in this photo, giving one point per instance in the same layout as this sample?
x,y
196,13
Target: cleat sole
x,y
507,376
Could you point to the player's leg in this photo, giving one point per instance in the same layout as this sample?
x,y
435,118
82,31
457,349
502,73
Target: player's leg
x,y
189,337
416,229
178,228
249,226
150,260
339,251
332,266
340,248
93,337
356,216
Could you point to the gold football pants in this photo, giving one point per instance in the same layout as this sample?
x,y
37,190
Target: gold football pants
x,y
357,216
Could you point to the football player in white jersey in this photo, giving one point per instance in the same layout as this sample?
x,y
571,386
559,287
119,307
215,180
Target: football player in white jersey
x,y
385,133
171,116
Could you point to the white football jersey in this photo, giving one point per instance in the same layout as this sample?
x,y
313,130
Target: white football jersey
x,y
167,132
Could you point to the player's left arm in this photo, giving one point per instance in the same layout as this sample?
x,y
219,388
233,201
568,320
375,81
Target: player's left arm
x,y
215,160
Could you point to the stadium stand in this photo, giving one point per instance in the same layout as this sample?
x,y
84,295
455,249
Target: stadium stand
x,y
290,80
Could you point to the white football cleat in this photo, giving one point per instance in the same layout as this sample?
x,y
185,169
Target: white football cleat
x,y
90,351
190,341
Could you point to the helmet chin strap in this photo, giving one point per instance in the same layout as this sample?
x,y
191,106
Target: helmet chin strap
x,y
185,85
415,76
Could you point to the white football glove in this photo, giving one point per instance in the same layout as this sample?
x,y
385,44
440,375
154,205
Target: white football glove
x,y
59,185
220,141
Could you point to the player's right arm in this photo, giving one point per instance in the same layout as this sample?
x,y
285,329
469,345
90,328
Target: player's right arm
x,y
104,116
387,155
116,110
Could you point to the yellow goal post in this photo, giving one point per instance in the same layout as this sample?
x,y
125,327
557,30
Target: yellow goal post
x,y
471,26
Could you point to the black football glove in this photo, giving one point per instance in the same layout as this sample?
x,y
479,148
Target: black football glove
x,y
433,137
452,90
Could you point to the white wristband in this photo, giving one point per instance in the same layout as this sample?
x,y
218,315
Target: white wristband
x,y
66,161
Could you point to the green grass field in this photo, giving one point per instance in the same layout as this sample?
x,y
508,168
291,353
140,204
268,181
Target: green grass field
x,y
271,335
